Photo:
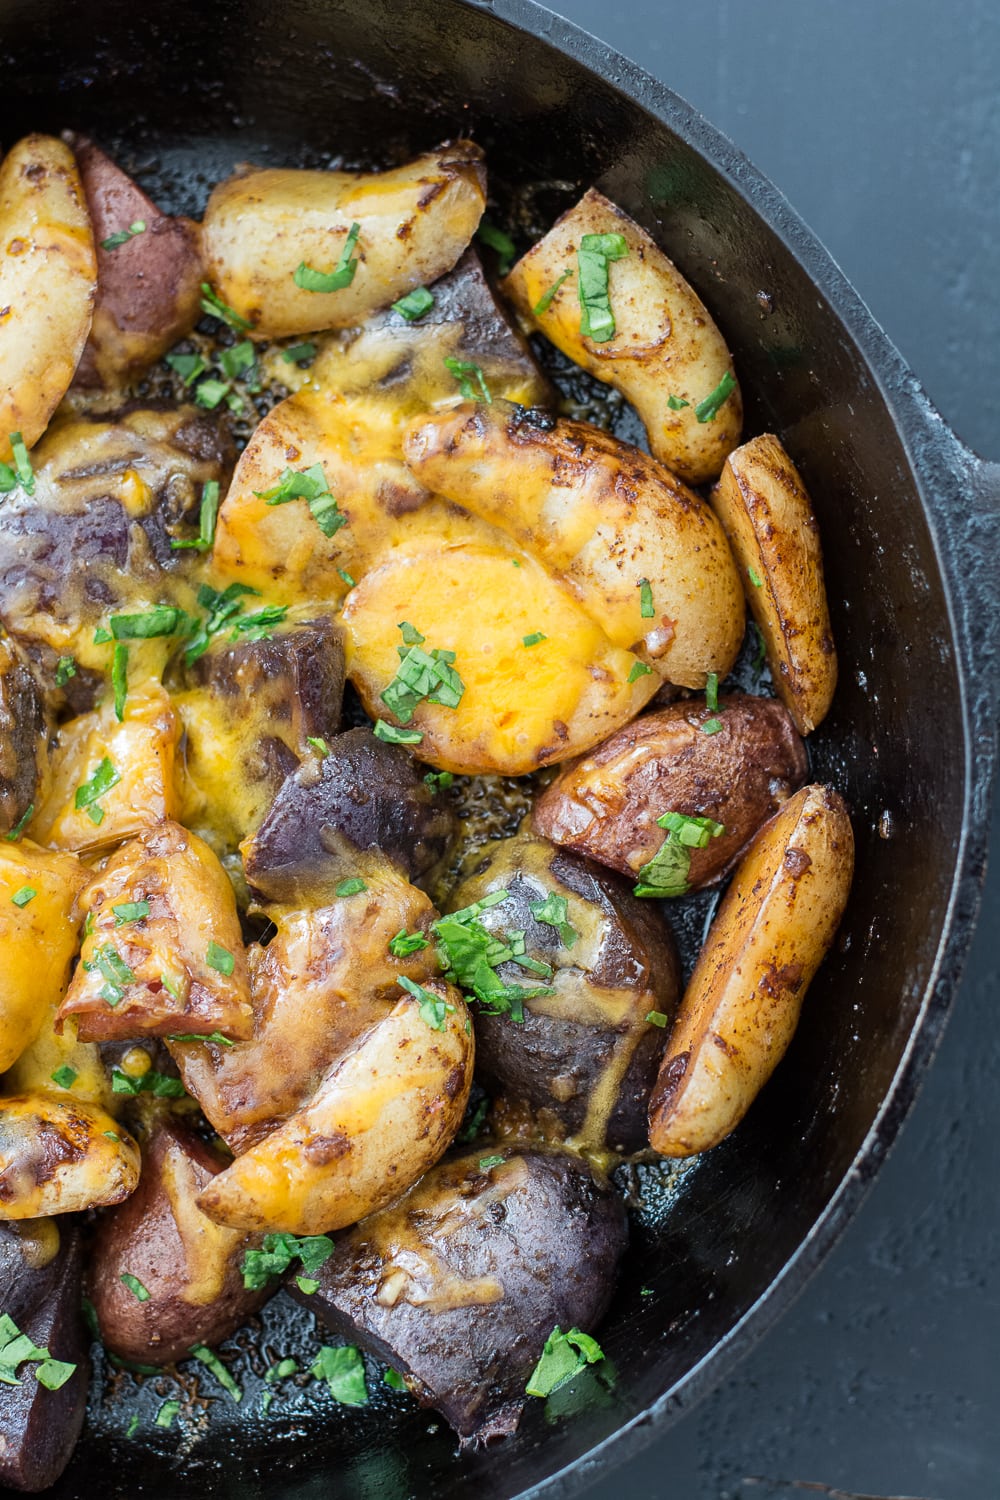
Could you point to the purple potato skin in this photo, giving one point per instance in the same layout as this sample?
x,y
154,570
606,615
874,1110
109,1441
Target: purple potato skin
x,y
541,1234
39,1427
23,738
363,795
554,1063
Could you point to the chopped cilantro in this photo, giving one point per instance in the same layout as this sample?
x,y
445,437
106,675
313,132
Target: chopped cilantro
x,y
554,912
594,256
65,1076
416,304
213,304
277,1254
311,280
707,410
563,1356
546,300
24,895
134,1285
220,959
471,380
350,887
344,1372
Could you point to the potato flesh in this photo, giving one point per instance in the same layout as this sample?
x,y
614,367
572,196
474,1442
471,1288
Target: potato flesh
x,y
603,517
742,1003
768,516
384,1114
142,749
415,221
175,987
665,344
48,279
523,706
60,1156
37,940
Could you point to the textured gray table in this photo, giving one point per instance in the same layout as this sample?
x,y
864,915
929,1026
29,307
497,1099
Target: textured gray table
x,y
880,121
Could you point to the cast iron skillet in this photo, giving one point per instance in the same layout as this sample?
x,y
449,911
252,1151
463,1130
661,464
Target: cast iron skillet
x,y
910,522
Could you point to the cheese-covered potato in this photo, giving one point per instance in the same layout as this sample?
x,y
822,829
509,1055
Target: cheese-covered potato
x,y
48,278
163,953
645,557
539,680
61,1156
111,779
665,354
39,922
270,236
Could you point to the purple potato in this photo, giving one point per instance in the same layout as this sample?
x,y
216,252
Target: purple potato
x,y
23,737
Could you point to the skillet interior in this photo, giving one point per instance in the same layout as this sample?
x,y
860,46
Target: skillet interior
x,y
192,89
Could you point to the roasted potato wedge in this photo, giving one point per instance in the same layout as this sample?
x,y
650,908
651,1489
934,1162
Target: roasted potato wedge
x,y
40,1280
585,1057
24,756
459,1284
606,805
362,795
643,555
48,279
148,284
189,1265
266,229
135,760
383,1115
768,517
163,952
324,979
39,922
666,355
60,1156
742,1004
249,713
540,680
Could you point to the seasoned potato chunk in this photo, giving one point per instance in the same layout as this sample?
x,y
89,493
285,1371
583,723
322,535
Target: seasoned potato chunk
x,y
163,951
60,1156
735,764
48,278
385,1112
325,978
39,923
111,780
742,1004
148,277
271,235
665,354
459,1285
768,517
23,738
585,1056
361,795
188,1265
644,556
540,681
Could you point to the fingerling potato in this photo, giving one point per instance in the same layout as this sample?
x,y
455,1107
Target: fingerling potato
x,y
262,225
187,1264
666,355
643,555
39,922
60,1156
742,1003
735,764
768,517
48,279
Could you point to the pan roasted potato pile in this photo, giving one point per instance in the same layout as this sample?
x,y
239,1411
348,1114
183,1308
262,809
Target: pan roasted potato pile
x,y
256,961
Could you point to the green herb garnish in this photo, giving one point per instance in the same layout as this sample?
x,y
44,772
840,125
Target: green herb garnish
x,y
646,609
207,520
103,778
554,912
65,669
135,1286
319,745
677,403
201,1036
343,573
754,576
212,1362
213,304
394,1380
22,473
666,874
187,366
712,692
311,280
500,241
533,640
24,895
281,1370
708,409
471,380
393,736
160,1085
656,1018
311,486
65,1076
299,352
344,1372
470,956
350,887
595,254
122,237
487,1162
639,669
166,1414
307,1284
130,911
563,1356
277,1254
433,1010
21,824
416,304
421,675
161,620
119,678
16,1348
405,943
438,781
711,726
546,300
220,959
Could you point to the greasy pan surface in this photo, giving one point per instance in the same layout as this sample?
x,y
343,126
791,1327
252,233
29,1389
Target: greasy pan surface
x,y
200,88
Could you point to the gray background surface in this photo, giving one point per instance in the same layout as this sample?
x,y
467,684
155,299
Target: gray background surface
x,y
880,121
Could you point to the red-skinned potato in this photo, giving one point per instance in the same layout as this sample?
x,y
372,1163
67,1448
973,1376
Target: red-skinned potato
x,y
606,805
148,285
768,516
163,952
742,1003
189,1265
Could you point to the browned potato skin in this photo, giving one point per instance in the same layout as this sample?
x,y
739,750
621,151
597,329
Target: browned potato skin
x,y
148,289
768,517
61,1155
191,905
606,805
585,1058
323,979
415,222
23,737
742,1003
603,517
665,343
189,1265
